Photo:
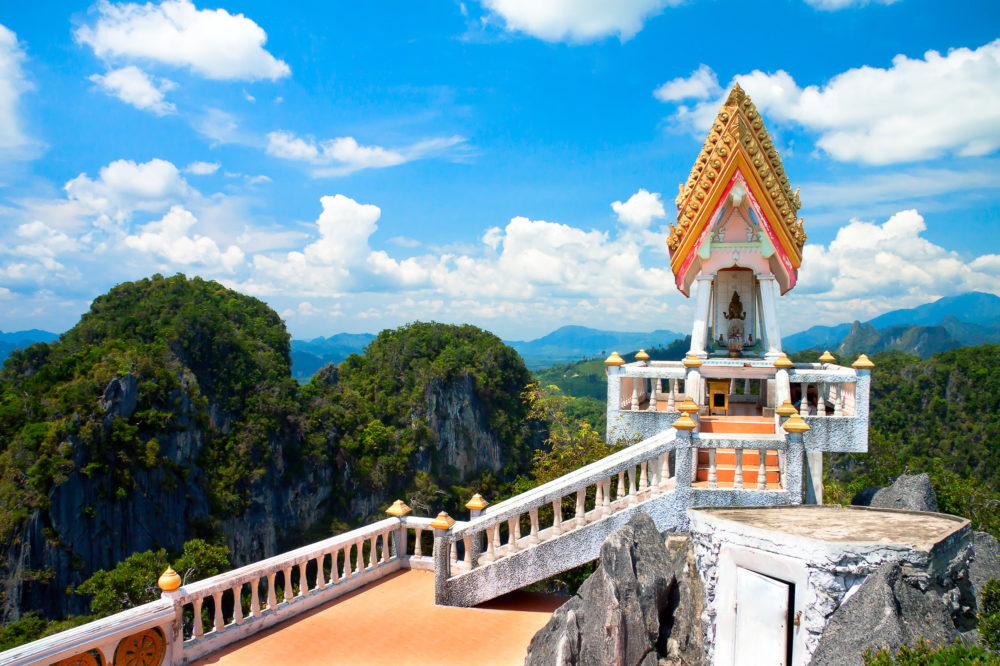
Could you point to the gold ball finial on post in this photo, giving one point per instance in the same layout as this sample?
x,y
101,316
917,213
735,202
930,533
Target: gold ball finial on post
x,y
642,356
443,521
691,361
795,424
169,580
786,409
783,362
827,357
477,503
614,360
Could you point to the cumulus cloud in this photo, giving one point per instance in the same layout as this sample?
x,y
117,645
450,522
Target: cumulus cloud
x,y
123,186
701,84
12,84
133,86
890,265
641,208
212,43
202,168
576,20
917,109
344,155
168,238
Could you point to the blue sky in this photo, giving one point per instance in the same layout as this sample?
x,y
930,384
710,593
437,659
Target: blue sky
x,y
508,163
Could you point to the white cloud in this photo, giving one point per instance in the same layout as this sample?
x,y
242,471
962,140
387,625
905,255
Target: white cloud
x,y
123,186
12,84
213,43
4,293
917,109
169,239
702,84
833,5
577,20
404,241
876,267
344,155
133,86
641,208
202,168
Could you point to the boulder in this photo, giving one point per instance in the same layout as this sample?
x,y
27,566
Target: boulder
x,y
629,609
864,497
887,611
913,492
985,563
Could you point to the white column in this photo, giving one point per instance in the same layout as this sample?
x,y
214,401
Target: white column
x,y
703,298
768,298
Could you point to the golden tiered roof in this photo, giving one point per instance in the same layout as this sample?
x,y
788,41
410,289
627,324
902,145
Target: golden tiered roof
x,y
737,140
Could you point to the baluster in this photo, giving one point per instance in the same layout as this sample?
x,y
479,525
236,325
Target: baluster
x,y
372,555
453,552
272,599
199,629
732,386
738,473
598,492
418,550
654,389
804,405
514,532
746,386
303,583
713,478
533,515
606,498
838,402
670,396
467,556
581,512
621,484
220,621
762,469
288,584
496,538
665,470
320,574
557,516
359,557
821,399
238,604
631,485
255,598
635,394
642,477
491,553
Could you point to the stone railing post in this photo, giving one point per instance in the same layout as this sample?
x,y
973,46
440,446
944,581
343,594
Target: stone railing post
x,y
169,584
613,366
683,466
442,556
475,507
795,459
692,383
399,510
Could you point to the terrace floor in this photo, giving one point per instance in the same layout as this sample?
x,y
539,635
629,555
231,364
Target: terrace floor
x,y
394,621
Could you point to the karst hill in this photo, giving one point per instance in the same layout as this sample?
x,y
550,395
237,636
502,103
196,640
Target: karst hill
x,y
169,413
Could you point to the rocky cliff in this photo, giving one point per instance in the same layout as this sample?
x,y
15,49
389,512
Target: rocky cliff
x,y
169,413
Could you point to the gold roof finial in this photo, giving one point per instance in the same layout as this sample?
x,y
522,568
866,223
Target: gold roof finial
x,y
863,363
169,581
443,521
685,422
795,424
783,362
786,409
398,509
614,359
477,502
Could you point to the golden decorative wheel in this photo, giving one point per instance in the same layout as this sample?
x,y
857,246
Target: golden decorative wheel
x,y
146,648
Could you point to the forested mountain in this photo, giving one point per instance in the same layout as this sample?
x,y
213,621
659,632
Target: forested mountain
x,y
169,412
954,321
571,343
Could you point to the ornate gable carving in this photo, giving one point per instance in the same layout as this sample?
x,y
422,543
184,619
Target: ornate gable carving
x,y
738,136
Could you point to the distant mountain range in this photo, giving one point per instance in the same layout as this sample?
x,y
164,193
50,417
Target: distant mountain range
x,y
21,339
954,321
571,343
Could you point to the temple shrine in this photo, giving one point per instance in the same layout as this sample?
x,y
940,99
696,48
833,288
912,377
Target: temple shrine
x,y
725,445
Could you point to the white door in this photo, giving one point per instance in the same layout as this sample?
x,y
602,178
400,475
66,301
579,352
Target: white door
x,y
761,620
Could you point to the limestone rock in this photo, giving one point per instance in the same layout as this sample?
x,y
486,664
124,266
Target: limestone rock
x,y
985,562
629,609
864,497
885,612
913,492
120,397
